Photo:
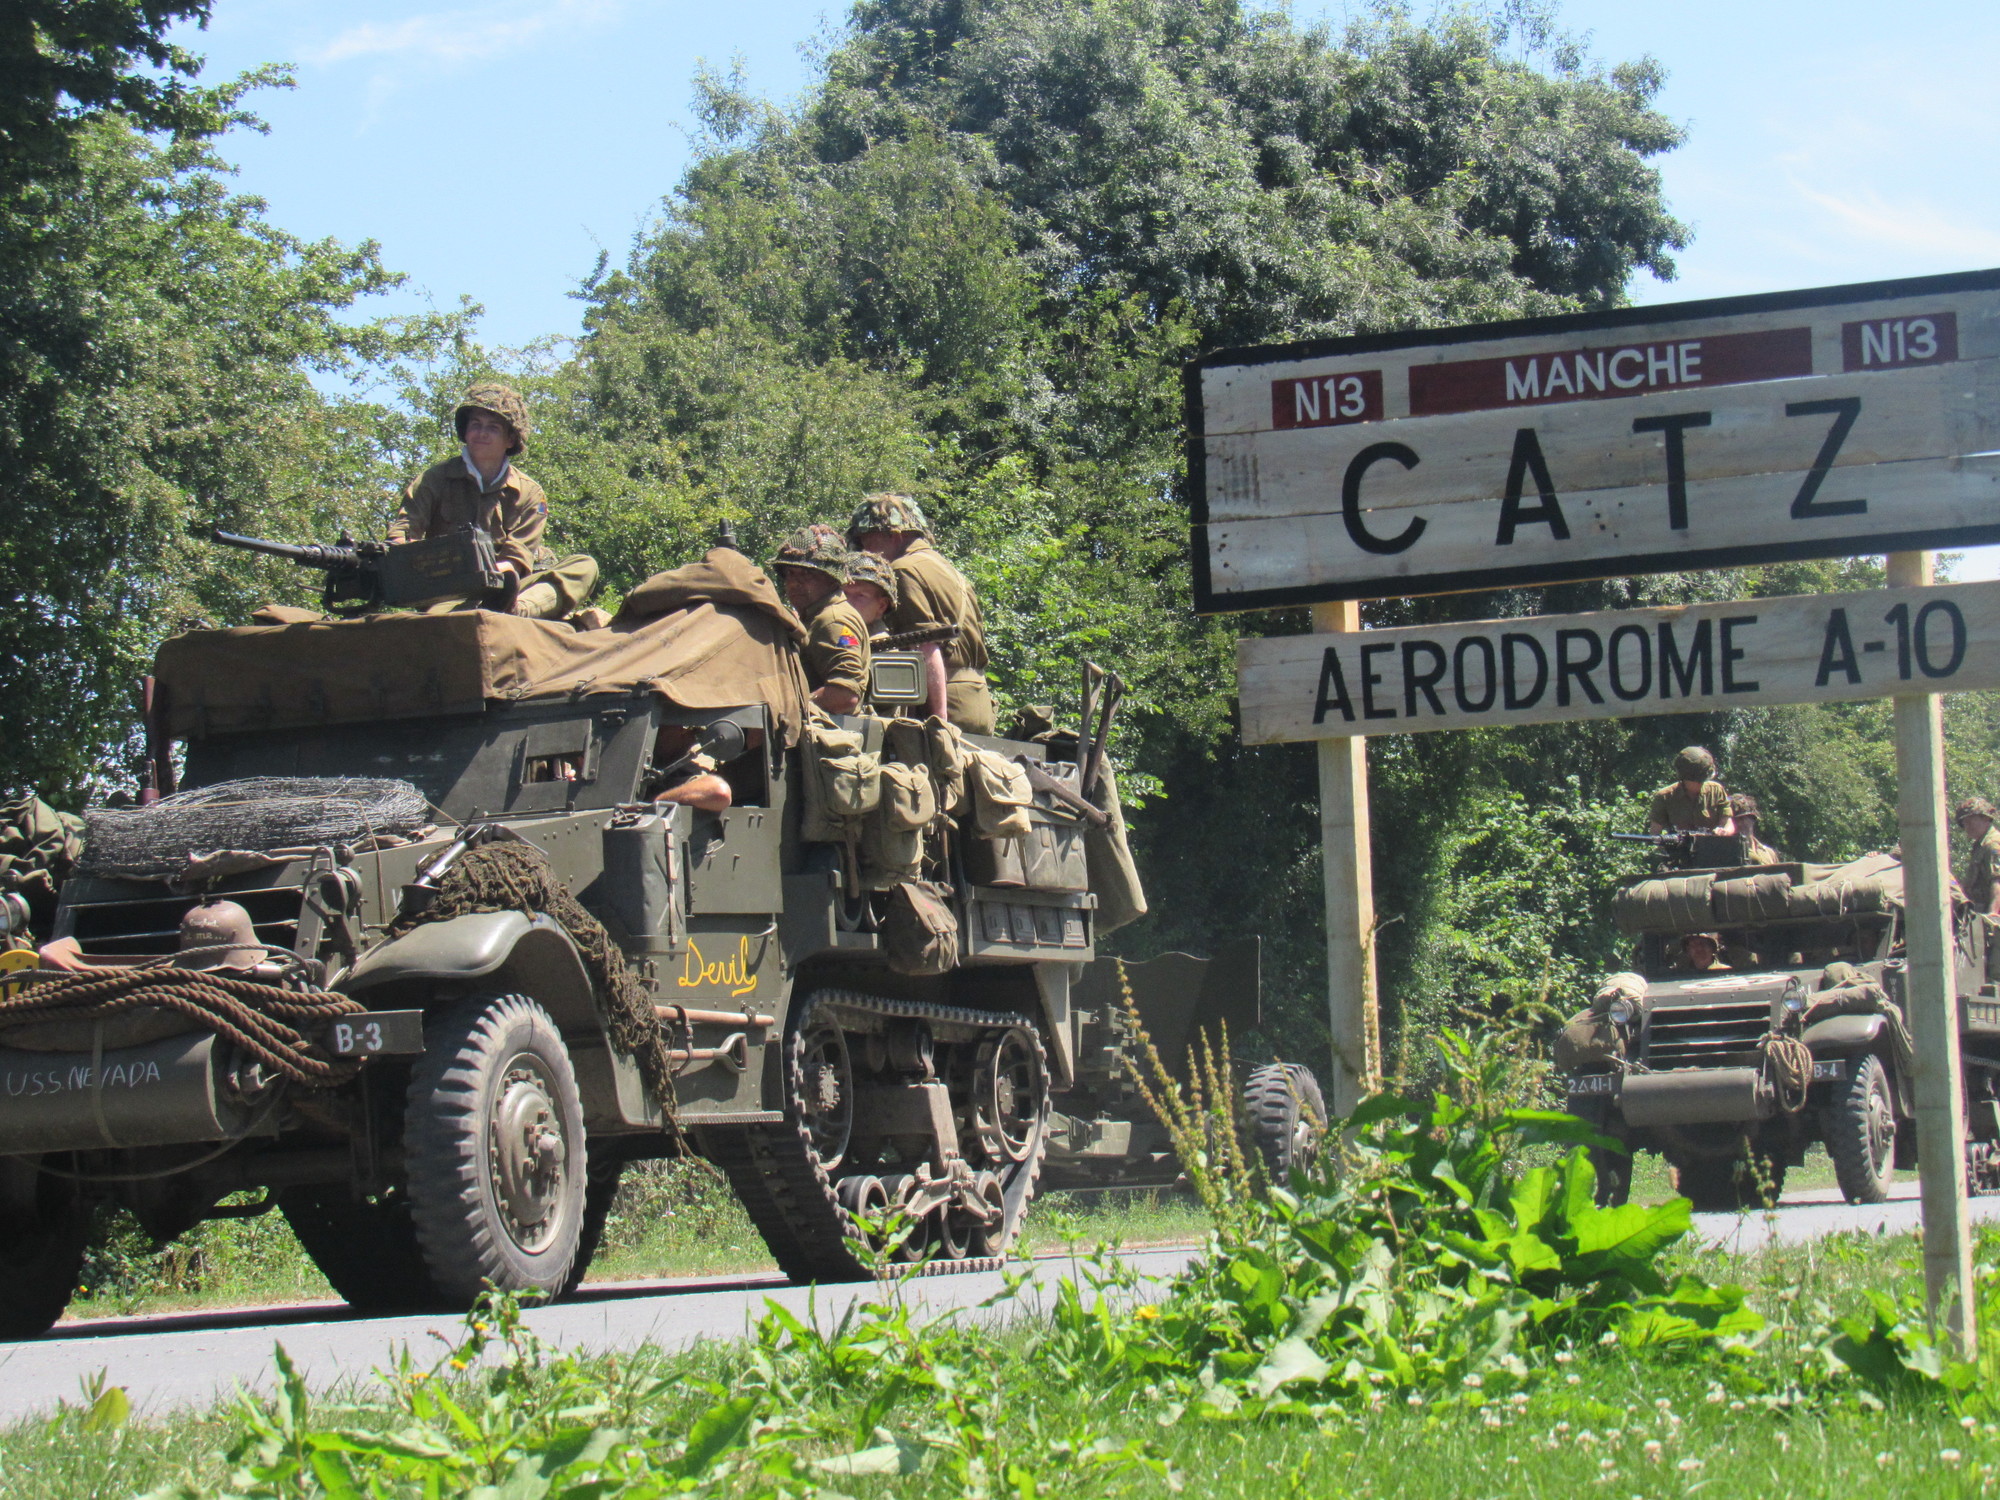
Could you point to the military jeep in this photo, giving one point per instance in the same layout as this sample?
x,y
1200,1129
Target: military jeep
x,y
1797,1036
457,1030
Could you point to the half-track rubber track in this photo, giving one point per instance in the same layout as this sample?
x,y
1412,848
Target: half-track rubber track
x,y
779,1176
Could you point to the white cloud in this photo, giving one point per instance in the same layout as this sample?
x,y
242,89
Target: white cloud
x,y
465,36
1906,226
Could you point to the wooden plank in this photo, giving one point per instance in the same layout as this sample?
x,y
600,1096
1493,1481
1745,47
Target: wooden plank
x,y
1812,424
1621,663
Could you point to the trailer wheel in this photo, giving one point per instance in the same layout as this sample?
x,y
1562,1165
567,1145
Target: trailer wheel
x,y
40,1259
1860,1128
366,1248
1286,1115
494,1150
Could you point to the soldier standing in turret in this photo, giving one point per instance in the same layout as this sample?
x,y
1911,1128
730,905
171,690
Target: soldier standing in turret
x,y
1695,799
1743,808
812,569
481,486
932,593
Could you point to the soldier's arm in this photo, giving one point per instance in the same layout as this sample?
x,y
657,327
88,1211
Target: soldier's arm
x,y
413,522
934,680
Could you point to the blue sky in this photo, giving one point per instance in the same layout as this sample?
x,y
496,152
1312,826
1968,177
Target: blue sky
x,y
494,149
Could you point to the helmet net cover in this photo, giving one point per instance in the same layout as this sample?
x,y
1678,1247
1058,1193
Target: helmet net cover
x,y
502,401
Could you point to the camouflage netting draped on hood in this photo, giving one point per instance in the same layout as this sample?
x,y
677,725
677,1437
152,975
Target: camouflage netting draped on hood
x,y
711,636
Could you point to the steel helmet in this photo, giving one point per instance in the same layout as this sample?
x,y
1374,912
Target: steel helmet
x,y
502,401
866,567
817,547
1973,807
1694,764
218,935
1743,805
886,512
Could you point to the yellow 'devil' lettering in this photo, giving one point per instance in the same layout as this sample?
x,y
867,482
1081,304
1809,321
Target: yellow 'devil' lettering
x,y
734,972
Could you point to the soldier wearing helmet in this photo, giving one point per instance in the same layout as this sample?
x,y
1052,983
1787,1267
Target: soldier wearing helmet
x,y
1743,808
1982,871
872,590
811,565
930,593
1694,800
481,486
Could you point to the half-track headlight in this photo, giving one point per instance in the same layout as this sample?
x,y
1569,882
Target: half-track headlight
x,y
1623,1011
1791,1003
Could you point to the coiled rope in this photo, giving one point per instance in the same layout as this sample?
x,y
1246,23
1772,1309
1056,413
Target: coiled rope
x,y
256,1017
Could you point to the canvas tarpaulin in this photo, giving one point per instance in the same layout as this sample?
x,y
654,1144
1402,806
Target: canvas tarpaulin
x,y
718,638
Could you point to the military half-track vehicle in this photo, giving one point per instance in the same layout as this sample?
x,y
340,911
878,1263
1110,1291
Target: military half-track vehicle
x,y
1797,1035
853,988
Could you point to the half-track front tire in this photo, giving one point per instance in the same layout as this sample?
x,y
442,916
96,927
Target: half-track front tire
x,y
1860,1129
1286,1115
367,1249
494,1150
40,1260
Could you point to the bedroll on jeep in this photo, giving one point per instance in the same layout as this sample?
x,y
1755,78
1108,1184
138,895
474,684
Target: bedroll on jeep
x,y
1796,1035
489,967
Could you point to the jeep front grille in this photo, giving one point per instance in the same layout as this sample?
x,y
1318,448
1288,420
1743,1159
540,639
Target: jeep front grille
x,y
1706,1036
148,922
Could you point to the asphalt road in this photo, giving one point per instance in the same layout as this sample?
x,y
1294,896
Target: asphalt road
x,y
180,1360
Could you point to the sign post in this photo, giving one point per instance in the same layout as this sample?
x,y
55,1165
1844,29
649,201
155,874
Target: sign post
x,y
1932,996
1834,422
1349,868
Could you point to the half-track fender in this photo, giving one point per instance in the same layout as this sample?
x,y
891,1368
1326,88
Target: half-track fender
x,y
1845,1034
503,950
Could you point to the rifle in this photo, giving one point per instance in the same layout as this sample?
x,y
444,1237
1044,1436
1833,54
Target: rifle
x,y
1679,838
366,577
909,640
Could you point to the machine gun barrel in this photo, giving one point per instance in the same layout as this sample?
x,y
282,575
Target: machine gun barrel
x,y
316,555
906,640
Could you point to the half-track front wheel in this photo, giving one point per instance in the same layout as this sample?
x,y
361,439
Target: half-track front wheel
x,y
494,1150
1860,1127
1286,1115
41,1256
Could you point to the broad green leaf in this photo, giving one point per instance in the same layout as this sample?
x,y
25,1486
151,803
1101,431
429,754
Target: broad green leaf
x,y
1290,1361
719,1429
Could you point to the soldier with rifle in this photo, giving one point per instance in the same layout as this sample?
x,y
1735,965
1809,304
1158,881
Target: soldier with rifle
x,y
481,487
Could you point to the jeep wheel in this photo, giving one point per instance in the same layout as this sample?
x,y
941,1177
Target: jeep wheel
x,y
1860,1128
1727,1184
606,1171
367,1249
494,1149
1286,1115
40,1260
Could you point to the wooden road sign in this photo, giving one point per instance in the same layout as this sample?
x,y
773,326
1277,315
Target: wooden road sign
x,y
1827,423
1809,648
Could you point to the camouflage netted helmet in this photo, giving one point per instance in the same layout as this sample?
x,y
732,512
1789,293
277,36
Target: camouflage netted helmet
x,y
866,567
1974,807
503,402
1694,764
1743,805
886,512
816,547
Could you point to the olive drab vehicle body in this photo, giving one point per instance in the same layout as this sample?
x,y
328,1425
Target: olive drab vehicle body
x,y
1796,1036
854,988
